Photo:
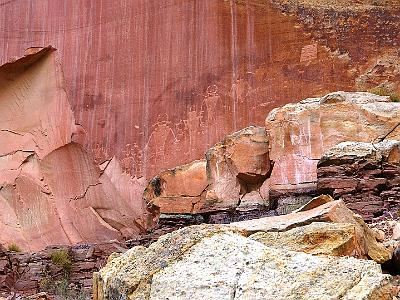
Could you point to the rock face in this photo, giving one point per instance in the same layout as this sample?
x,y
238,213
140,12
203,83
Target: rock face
x,y
51,190
144,89
301,133
364,175
229,262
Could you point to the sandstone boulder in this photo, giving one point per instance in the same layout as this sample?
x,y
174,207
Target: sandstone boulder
x,y
364,175
232,178
179,190
363,241
237,167
221,262
299,134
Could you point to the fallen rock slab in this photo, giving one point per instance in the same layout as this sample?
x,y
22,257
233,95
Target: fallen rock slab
x,y
365,244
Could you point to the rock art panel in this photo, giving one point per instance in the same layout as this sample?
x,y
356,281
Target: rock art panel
x,y
176,76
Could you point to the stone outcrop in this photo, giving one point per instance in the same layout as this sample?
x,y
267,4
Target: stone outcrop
x,y
237,168
364,175
240,261
51,190
301,133
179,190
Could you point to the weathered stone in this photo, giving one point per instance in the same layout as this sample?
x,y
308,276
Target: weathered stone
x,y
364,175
237,167
51,190
209,262
317,238
179,190
301,133
334,212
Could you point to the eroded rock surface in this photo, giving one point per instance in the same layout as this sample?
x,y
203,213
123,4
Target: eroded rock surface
x,y
237,261
231,184
301,133
51,190
364,175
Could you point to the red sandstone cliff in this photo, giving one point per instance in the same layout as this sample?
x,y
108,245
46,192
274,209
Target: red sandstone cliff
x,y
149,79
153,84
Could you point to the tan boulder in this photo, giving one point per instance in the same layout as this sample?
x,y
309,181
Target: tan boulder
x,y
221,262
318,238
300,133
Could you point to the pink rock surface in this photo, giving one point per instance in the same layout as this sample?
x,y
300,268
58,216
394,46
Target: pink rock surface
x,y
51,190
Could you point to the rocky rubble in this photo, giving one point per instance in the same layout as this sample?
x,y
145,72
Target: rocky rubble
x,y
303,255
24,274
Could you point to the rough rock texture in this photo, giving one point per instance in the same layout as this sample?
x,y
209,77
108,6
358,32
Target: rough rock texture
x,y
51,190
364,175
231,184
152,79
179,190
237,167
300,133
29,273
316,238
332,212
221,262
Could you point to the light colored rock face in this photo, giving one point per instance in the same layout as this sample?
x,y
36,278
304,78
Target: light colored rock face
x,y
179,190
364,175
300,133
208,262
51,191
237,167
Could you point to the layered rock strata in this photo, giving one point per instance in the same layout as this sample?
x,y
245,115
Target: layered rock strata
x,y
364,175
30,273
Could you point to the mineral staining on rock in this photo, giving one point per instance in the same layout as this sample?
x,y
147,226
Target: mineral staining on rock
x,y
238,261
